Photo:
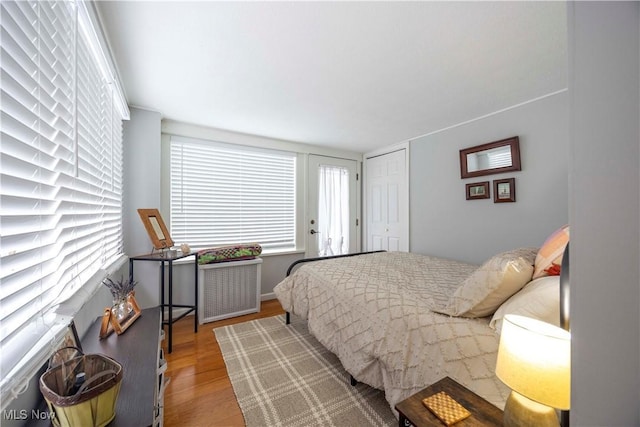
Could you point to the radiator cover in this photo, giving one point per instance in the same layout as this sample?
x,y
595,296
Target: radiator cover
x,y
228,289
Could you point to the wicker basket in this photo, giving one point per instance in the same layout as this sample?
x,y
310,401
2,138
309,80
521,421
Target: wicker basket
x,y
94,403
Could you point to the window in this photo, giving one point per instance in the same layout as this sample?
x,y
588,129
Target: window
x,y
61,174
333,210
225,194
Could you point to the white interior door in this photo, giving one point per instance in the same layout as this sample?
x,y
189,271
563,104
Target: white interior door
x,y
332,203
387,200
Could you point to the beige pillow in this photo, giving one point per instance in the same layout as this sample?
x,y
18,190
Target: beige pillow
x,y
539,299
492,284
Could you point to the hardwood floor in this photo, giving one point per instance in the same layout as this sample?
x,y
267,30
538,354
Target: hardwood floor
x,y
200,392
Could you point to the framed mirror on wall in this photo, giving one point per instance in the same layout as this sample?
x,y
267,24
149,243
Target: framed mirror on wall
x,y
493,157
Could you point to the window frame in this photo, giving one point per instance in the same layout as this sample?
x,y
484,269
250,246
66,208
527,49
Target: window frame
x,y
298,195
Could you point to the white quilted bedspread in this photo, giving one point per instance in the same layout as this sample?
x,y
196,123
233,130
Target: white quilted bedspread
x,y
373,312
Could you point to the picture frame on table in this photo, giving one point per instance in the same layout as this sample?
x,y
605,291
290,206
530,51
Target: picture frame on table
x,y
69,348
156,228
112,321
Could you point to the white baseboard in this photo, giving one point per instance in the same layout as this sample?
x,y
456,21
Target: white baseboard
x,y
267,297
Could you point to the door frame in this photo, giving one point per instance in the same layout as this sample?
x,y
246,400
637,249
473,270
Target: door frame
x,y
381,152
309,193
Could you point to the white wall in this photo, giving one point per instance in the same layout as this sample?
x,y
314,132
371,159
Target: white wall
x,y
445,224
141,190
604,214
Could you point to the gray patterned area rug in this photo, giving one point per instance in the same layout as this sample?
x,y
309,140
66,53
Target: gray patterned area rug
x,y
282,376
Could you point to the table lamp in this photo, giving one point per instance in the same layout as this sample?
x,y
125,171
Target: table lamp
x,y
534,362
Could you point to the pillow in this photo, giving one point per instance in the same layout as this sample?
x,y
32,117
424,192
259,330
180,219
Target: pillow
x,y
539,299
229,253
490,285
551,253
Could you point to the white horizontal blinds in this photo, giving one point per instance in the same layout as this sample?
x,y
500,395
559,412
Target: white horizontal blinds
x,y
225,194
37,158
112,225
53,216
96,216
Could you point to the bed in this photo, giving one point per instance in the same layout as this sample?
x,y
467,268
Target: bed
x,y
401,321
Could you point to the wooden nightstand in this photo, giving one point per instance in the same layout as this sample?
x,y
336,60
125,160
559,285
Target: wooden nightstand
x,y
413,412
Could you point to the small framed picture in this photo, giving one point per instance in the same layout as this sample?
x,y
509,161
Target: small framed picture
x,y
477,190
155,227
504,190
69,348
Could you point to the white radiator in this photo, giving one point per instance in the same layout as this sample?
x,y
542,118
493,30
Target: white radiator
x,y
228,289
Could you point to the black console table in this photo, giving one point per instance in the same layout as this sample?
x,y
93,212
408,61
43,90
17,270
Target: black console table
x,y
168,257
140,401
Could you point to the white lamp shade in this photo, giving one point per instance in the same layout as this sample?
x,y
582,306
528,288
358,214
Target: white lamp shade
x,y
534,359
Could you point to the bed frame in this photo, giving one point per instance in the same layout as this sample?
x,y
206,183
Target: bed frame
x,y
304,260
294,264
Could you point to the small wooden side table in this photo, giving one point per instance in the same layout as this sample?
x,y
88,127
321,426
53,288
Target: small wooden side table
x,y
413,412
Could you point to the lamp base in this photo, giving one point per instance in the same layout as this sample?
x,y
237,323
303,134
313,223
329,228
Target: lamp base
x,y
521,411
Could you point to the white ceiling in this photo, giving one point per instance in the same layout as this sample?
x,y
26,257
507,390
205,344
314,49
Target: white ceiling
x,y
356,75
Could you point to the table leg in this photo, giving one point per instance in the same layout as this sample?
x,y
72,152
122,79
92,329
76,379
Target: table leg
x,y
170,304
195,317
162,292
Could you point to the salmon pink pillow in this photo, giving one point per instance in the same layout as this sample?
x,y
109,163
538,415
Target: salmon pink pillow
x,y
549,257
